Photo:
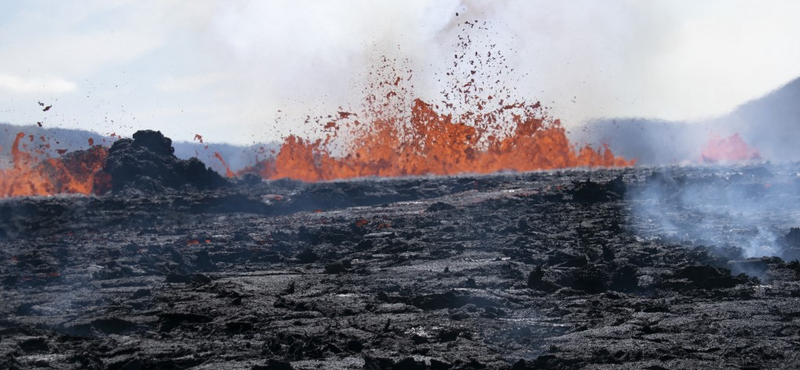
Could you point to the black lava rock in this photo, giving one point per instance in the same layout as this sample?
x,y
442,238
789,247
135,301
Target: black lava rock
x,y
536,281
624,279
709,277
377,363
147,163
591,279
591,192
274,365
440,206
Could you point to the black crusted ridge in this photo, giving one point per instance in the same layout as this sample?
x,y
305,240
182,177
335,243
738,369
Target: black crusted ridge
x,y
147,163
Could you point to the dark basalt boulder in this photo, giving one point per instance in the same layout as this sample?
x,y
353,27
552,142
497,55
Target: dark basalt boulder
x,y
707,277
536,280
274,365
592,192
148,163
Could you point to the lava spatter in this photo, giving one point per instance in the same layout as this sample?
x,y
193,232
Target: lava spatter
x,y
433,143
479,126
74,173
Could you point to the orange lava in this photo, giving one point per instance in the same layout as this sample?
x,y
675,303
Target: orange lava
x,y
477,125
434,143
76,173
730,149
228,173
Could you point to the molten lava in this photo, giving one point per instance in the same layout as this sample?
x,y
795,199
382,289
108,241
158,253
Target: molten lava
x,y
228,173
728,150
77,173
433,143
479,126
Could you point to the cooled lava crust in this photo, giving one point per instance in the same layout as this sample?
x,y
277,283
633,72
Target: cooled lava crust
x,y
547,270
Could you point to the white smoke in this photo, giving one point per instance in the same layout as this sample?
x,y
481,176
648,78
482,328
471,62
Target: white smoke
x,y
224,69
749,208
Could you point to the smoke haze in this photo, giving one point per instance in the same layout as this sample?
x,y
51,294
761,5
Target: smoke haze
x,y
224,69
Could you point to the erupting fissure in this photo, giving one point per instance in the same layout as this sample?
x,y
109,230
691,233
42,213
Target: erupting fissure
x,y
728,150
479,126
74,173
438,144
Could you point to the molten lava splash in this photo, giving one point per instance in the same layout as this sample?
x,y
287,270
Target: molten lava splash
x,y
77,172
433,143
228,173
478,126
730,149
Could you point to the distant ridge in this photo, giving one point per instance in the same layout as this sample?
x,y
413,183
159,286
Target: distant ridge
x,y
770,123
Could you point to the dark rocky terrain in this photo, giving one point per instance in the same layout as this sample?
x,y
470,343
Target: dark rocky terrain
x,y
550,270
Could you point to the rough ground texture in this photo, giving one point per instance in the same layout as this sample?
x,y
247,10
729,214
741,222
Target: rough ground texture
x,y
515,271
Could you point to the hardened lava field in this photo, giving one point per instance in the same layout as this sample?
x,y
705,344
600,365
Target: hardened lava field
x,y
633,268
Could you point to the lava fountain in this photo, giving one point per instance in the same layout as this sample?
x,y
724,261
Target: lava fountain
x,y
478,126
74,173
438,144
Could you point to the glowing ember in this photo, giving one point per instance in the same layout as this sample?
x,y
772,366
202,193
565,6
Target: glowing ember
x,y
730,149
228,173
77,173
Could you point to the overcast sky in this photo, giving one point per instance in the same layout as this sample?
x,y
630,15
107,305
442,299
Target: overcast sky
x,y
224,69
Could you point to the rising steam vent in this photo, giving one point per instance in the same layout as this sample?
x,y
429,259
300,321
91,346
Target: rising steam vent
x,y
147,163
791,245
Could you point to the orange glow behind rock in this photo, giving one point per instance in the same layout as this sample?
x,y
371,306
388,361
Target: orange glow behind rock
x,y
728,150
75,173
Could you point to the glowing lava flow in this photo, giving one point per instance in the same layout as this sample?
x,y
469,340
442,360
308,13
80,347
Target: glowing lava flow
x,y
77,173
432,143
478,126
728,150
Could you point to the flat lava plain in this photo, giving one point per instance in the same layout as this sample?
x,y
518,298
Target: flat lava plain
x,y
543,270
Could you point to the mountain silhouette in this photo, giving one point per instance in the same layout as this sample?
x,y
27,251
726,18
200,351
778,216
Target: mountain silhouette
x,y
770,124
